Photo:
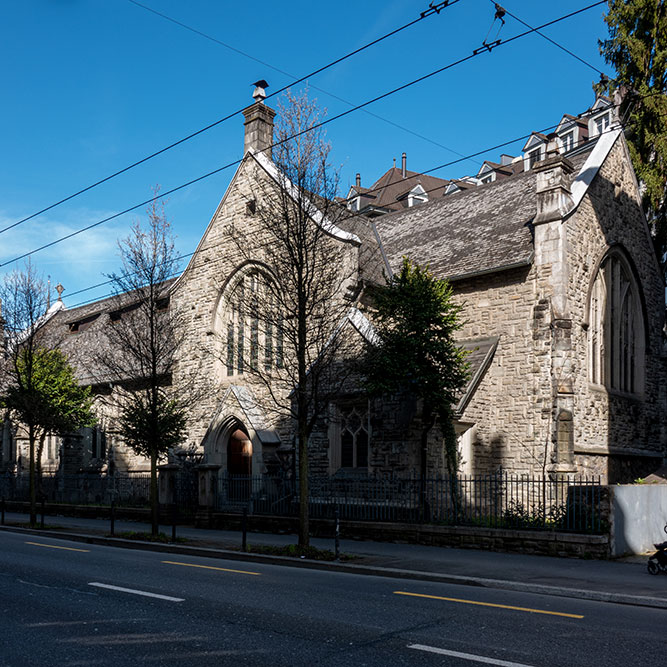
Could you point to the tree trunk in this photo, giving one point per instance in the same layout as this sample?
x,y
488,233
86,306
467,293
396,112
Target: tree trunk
x,y
33,494
155,499
38,464
451,459
302,414
428,419
304,520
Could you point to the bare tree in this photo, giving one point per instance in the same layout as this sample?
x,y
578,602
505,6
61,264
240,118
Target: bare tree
x,y
144,336
284,313
37,386
24,300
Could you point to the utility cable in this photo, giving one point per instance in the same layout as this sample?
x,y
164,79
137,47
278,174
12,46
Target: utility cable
x,y
291,76
356,214
402,87
541,34
424,15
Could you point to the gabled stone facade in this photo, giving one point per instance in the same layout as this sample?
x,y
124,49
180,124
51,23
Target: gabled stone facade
x,y
563,309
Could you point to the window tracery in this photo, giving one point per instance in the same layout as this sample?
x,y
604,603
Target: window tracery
x,y
350,437
616,328
251,327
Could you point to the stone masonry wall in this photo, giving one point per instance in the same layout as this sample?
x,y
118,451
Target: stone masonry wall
x,y
507,406
198,295
609,425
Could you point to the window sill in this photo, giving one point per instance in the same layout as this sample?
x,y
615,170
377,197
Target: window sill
x,y
616,393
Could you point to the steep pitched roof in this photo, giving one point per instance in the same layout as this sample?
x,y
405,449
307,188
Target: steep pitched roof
x,y
389,188
80,343
480,352
478,230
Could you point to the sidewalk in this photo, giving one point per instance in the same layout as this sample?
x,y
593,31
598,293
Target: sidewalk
x,y
625,582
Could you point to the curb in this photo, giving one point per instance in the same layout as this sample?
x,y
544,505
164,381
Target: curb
x,y
348,568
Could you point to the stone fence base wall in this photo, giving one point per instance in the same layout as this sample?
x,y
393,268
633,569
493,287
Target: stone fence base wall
x,y
569,545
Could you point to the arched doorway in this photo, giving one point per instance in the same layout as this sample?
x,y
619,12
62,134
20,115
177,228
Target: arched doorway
x,y
239,453
239,463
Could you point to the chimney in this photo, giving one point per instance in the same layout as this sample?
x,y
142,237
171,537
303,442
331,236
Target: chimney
x,y
358,180
258,122
404,165
554,197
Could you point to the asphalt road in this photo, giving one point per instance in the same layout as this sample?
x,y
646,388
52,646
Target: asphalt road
x,y
66,604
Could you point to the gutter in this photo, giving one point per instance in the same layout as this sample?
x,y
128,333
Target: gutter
x,y
496,269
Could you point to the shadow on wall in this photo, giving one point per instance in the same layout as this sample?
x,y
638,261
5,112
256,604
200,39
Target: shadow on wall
x,y
635,416
638,517
488,456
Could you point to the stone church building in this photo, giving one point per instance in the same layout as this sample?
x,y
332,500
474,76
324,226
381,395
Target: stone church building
x,y
563,300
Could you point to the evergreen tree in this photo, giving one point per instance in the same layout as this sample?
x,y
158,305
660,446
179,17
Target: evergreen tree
x,y
416,319
637,49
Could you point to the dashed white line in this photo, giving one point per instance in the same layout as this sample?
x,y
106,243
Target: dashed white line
x,y
467,656
133,591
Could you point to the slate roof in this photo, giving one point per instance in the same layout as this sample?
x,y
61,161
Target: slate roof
x,y
480,353
477,230
391,185
82,345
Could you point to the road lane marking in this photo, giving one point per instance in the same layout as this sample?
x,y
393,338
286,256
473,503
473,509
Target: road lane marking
x,y
210,567
490,604
136,592
467,656
53,546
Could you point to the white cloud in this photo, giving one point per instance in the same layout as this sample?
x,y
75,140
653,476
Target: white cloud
x,y
77,262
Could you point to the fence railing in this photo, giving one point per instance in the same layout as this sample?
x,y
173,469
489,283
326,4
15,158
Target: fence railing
x,y
499,500
128,489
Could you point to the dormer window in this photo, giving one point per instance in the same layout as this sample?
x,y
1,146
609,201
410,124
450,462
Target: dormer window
x,y
533,157
487,174
533,150
82,325
601,124
571,131
353,204
568,141
417,196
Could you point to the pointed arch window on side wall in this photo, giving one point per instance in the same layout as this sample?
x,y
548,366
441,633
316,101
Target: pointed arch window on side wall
x,y
616,328
349,437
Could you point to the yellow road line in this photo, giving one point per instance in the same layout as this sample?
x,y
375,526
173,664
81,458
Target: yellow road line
x,y
489,604
53,546
210,567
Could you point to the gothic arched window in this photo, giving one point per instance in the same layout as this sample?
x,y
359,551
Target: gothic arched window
x,y
349,437
616,328
250,325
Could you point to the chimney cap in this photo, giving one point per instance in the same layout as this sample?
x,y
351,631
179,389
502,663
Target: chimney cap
x,y
552,144
259,94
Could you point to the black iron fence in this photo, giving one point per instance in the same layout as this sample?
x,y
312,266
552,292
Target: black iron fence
x,y
125,489
500,500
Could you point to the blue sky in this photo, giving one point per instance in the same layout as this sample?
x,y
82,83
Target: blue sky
x,y
90,86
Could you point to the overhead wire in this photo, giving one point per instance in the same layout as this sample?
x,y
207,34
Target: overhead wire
x,y
541,34
355,214
310,129
319,70
292,76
